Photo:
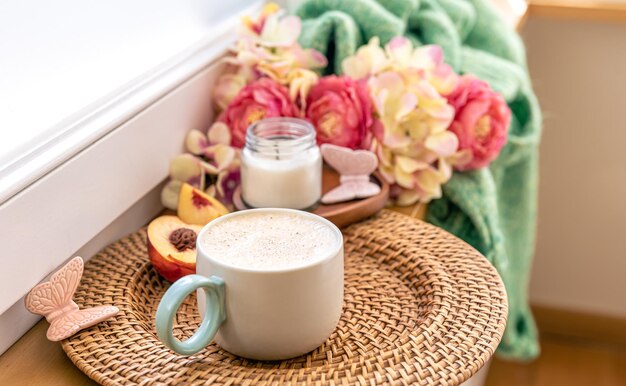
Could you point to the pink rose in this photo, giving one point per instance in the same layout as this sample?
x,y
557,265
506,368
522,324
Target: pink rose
x,y
263,98
481,121
340,109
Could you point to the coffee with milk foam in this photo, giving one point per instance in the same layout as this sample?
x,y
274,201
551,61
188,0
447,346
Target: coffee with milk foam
x,y
266,241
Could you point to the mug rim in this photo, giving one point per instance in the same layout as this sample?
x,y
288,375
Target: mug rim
x,y
335,251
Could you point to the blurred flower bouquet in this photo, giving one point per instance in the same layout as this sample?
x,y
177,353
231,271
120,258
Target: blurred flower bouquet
x,y
404,103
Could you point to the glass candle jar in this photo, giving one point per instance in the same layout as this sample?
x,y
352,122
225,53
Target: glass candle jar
x,y
281,165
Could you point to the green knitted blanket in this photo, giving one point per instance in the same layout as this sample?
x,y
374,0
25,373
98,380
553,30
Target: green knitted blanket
x,y
492,209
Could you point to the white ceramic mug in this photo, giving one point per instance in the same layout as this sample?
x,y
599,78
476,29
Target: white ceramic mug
x,y
259,314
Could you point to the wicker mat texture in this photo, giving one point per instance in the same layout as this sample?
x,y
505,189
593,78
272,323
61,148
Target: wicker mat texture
x,y
421,307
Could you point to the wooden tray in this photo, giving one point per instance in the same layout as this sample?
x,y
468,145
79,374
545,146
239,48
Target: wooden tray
x,y
420,307
344,213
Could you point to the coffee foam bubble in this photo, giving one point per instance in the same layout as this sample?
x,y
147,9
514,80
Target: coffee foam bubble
x,y
269,240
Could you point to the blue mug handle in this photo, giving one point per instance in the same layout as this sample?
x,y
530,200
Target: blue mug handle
x,y
214,314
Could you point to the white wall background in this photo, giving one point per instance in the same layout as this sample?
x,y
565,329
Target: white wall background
x,y
579,73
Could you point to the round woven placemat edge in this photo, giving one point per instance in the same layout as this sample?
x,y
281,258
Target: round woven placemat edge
x,y
394,226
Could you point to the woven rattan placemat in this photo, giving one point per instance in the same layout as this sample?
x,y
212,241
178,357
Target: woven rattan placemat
x,y
421,307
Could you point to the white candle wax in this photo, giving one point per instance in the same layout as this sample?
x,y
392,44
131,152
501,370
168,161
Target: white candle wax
x,y
273,181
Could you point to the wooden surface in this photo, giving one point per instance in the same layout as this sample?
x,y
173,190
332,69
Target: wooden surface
x,y
577,349
515,12
565,359
581,326
602,11
34,360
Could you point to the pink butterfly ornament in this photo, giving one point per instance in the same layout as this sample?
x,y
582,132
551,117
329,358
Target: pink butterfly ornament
x,y
53,299
354,168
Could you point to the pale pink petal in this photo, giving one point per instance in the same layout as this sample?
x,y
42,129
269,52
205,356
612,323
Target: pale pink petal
x,y
218,183
280,32
312,59
404,179
219,133
396,140
408,103
300,83
444,143
376,56
410,165
251,56
387,173
380,99
355,68
226,88
247,73
369,59
209,168
435,52
428,181
445,171
185,167
232,60
220,157
388,80
277,70
444,79
427,57
385,89
399,48
384,155
270,26
211,190
169,194
407,197
196,142
461,158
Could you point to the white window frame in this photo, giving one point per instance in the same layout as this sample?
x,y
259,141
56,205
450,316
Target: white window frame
x,y
85,189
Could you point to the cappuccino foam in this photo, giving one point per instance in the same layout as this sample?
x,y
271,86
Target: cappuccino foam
x,y
269,240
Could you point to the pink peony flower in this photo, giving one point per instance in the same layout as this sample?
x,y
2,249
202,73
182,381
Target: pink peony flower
x,y
263,98
341,111
481,121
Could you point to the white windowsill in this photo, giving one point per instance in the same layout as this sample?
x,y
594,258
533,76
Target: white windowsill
x,y
22,165
106,157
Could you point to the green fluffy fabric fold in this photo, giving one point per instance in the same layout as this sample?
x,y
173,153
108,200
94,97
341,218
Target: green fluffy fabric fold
x,y
493,209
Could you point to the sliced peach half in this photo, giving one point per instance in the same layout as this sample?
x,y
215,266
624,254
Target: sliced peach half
x,y
172,246
197,207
